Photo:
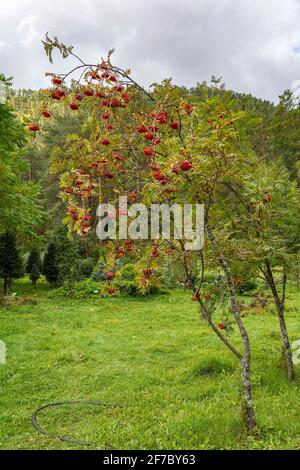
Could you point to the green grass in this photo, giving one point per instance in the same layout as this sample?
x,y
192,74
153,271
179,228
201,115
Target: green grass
x,y
180,385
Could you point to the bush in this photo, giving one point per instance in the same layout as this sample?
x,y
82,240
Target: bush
x,y
128,281
247,286
84,268
79,290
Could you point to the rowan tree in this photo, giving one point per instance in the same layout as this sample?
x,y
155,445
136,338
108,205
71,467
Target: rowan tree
x,y
178,151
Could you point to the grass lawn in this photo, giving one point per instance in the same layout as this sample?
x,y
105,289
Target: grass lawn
x,y
180,385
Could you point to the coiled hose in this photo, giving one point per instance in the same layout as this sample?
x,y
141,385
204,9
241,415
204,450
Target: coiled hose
x,y
68,402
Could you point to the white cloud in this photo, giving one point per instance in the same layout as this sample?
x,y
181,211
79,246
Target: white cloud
x,y
27,31
252,44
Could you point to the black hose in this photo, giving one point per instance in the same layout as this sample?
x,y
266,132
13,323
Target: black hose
x,y
68,402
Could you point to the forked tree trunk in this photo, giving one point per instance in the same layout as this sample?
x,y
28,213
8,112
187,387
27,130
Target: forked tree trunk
x,y
280,312
245,360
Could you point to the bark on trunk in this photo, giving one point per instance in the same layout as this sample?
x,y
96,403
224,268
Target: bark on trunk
x,y
280,312
248,398
246,360
284,282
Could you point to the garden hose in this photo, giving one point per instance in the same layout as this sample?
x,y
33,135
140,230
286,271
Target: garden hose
x,y
68,402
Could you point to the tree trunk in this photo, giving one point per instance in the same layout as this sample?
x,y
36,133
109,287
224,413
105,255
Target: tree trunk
x,y
247,388
188,282
280,312
284,282
246,360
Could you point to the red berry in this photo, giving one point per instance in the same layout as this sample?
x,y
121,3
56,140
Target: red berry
x,y
88,92
149,136
142,129
55,96
189,108
186,165
46,114
110,275
148,151
221,326
99,94
94,75
33,127
108,175
125,98
115,103
58,94
267,198
160,177
68,191
161,117
154,167
174,125
105,116
148,272
118,157
120,252
105,141
74,106
155,253
118,88
153,128
56,81
78,97
133,195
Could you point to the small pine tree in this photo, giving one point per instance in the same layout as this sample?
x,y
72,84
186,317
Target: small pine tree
x,y
34,258
11,265
50,267
35,274
67,253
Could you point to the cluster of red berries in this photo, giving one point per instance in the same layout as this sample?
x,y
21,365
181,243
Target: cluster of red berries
x,y
85,221
160,177
155,253
267,198
148,272
33,127
82,186
110,275
111,291
199,295
186,165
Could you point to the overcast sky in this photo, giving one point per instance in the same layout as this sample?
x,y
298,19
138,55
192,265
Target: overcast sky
x,y
253,44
